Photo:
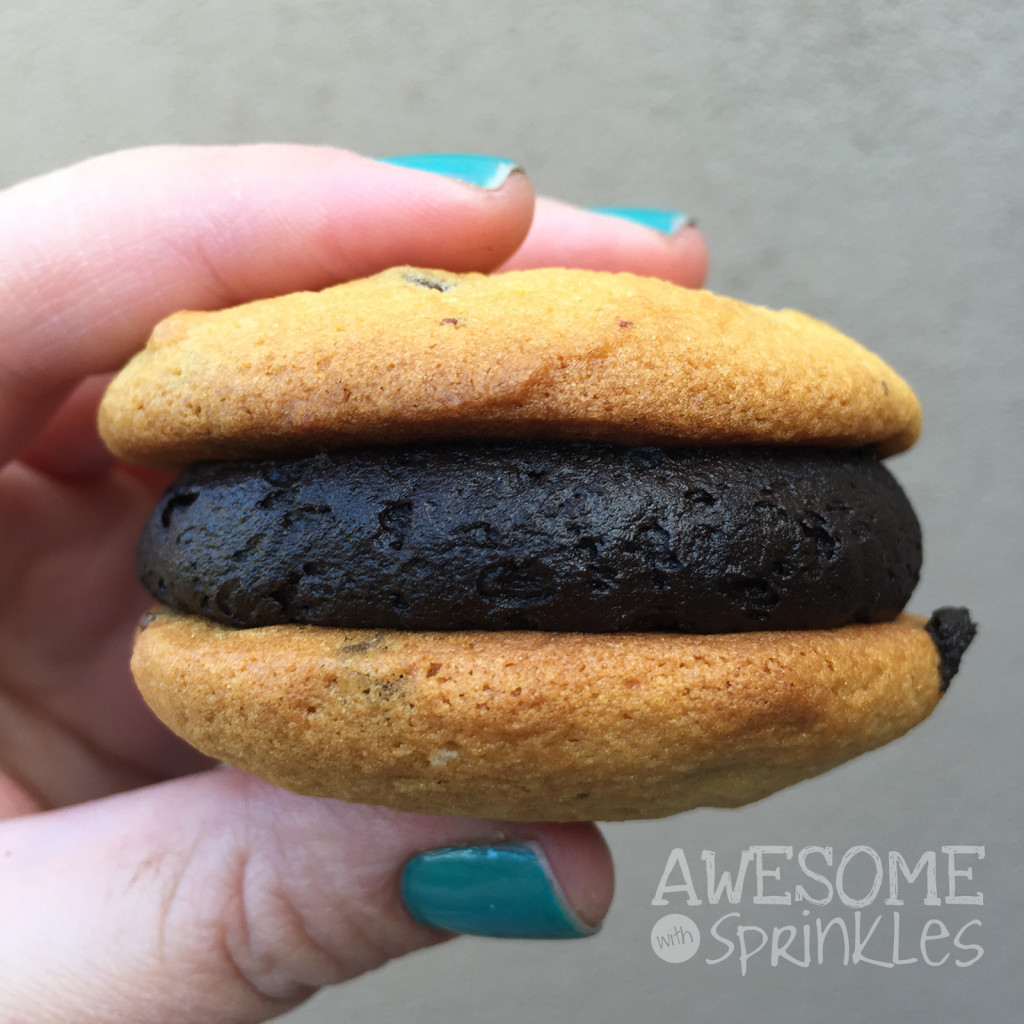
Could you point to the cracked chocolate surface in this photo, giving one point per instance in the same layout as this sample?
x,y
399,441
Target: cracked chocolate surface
x,y
544,536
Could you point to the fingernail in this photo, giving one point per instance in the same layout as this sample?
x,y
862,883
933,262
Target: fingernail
x,y
668,222
489,172
504,891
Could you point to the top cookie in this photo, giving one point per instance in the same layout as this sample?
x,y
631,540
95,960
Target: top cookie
x,y
413,354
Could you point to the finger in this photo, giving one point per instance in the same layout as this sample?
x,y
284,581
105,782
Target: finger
x,y
563,235
92,256
68,445
69,448
72,725
220,898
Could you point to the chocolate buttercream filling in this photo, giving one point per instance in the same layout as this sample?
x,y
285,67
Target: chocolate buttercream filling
x,y
538,535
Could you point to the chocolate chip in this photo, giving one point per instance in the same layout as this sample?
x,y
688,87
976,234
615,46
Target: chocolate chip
x,y
436,284
952,631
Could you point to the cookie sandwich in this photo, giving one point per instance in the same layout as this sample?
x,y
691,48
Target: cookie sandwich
x,y
551,544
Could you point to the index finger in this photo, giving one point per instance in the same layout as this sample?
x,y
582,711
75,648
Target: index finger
x,y
92,256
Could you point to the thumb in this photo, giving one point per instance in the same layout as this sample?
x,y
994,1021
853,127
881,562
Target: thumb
x,y
219,898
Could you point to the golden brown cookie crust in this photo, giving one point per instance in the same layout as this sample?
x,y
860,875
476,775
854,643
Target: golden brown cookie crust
x,y
556,354
543,726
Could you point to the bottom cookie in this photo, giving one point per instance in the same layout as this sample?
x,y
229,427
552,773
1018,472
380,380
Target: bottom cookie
x,y
532,725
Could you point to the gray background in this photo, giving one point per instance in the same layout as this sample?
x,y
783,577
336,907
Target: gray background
x,y
861,162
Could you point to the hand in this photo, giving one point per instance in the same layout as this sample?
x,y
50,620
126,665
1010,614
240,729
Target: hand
x,y
137,884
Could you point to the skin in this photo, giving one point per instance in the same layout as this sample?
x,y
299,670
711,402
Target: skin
x,y
137,882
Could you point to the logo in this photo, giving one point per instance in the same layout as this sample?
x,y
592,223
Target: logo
x,y
815,905
675,938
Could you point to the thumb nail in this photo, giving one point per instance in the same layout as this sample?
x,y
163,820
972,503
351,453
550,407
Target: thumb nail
x,y
505,891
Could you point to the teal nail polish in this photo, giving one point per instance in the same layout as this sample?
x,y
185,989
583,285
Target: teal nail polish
x,y
668,222
489,172
504,891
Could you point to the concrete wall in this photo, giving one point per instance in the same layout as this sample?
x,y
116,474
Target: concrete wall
x,y
861,162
